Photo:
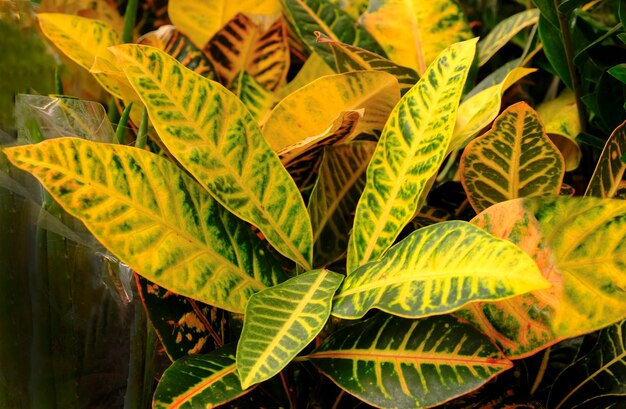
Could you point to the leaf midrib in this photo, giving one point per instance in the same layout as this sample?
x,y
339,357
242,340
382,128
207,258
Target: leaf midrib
x,y
199,388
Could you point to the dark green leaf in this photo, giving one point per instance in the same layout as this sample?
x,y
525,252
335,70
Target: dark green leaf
x,y
552,41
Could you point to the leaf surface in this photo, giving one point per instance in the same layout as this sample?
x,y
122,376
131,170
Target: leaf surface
x,y
410,150
281,321
390,362
214,136
503,32
154,218
254,96
611,166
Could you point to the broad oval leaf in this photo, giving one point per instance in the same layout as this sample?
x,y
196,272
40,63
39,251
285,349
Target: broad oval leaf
x,y
393,362
503,32
199,381
281,321
611,166
514,159
410,150
438,269
414,32
310,110
153,217
578,243
215,138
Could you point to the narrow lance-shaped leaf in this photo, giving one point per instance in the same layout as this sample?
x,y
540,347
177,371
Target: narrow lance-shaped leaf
x,y
216,139
438,269
409,152
153,217
515,159
503,32
281,321
611,166
393,362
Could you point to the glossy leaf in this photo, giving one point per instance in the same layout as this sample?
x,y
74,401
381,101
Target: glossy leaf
x,y
254,96
214,136
578,245
611,166
414,32
409,152
154,218
204,381
244,45
552,41
392,362
200,20
438,269
514,159
312,109
281,321
335,195
503,32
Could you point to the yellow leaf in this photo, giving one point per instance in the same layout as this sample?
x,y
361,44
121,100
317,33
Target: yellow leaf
x,y
314,67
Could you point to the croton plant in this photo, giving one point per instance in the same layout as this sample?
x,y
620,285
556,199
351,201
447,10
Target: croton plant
x,y
343,203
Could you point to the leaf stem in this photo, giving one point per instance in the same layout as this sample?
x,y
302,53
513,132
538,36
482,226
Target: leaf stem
x,y
542,371
130,16
120,130
142,132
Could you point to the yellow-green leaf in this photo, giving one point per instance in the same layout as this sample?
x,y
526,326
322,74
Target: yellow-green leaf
x,y
353,7
411,149
503,32
314,67
200,19
609,172
154,218
213,135
281,321
414,32
311,110
254,96
438,269
514,159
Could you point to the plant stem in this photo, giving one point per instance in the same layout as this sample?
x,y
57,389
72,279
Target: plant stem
x,y
58,84
142,132
130,16
542,371
121,125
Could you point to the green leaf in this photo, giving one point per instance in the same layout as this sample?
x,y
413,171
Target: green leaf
x,y
214,136
335,195
281,321
611,166
254,96
503,32
552,41
409,152
438,269
393,362
619,71
154,218
202,381
514,159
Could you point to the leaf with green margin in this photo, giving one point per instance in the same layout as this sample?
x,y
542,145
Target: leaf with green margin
x,y
348,58
410,150
212,134
254,96
514,159
310,110
599,374
415,32
610,169
503,32
438,269
393,362
200,381
154,218
333,200
281,321
552,41
578,243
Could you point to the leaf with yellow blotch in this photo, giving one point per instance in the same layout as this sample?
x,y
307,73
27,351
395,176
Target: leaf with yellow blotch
x,y
354,8
611,167
514,159
414,32
503,32
579,245
213,135
254,96
410,150
244,45
153,217
314,67
201,19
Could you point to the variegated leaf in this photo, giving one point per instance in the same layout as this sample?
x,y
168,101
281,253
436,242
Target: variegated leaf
x,y
411,149
392,362
314,67
438,269
214,136
503,32
514,159
414,32
154,218
333,200
254,96
311,110
579,245
281,321
244,45
353,7
611,166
